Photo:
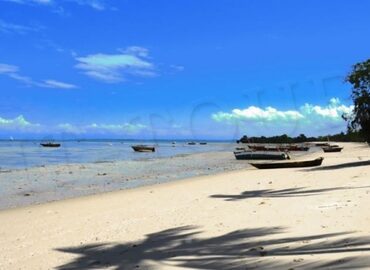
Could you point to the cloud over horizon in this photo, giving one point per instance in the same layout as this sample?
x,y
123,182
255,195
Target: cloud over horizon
x,y
308,118
20,124
114,68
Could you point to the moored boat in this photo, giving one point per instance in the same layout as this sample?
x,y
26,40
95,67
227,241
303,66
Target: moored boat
x,y
289,164
50,144
143,148
253,155
191,143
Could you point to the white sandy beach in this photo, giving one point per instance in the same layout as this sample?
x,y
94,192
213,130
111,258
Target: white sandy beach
x,y
266,219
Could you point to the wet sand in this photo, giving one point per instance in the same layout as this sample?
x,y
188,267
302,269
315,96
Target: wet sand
x,y
37,185
305,218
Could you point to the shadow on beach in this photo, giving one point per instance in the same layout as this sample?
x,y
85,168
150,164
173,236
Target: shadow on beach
x,y
262,248
280,193
340,166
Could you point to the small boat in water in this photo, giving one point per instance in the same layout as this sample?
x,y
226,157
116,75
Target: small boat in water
x,y
289,164
191,143
202,143
50,144
143,148
250,155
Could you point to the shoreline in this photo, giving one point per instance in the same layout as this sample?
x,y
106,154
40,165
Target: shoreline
x,y
290,218
22,187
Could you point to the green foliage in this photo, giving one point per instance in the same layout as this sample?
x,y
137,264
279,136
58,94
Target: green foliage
x,y
359,78
351,136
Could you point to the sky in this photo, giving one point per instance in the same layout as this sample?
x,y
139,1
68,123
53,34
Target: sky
x,y
184,69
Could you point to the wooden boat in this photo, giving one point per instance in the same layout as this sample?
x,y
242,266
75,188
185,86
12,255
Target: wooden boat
x,y
50,144
250,155
202,143
191,143
332,149
279,148
321,144
143,148
289,164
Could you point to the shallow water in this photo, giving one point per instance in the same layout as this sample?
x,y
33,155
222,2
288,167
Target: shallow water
x,y
26,154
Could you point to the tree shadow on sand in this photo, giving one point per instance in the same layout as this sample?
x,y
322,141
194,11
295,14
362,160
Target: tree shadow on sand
x,y
340,166
262,248
280,193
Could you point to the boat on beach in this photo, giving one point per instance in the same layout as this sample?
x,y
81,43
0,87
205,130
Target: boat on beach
x,y
262,155
50,144
278,148
332,149
191,143
289,164
143,148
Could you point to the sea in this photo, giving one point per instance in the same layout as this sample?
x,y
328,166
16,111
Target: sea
x,y
27,154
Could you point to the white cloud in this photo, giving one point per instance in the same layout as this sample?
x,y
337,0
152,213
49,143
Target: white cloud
x,y
6,27
7,69
57,84
125,128
19,123
307,118
94,4
113,68
13,73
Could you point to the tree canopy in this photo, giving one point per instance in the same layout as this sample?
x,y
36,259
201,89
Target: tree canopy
x,y
359,78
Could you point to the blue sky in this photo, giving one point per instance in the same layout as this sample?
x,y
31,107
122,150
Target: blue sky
x,y
177,69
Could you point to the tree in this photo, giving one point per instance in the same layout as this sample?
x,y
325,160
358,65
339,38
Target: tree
x,y
360,80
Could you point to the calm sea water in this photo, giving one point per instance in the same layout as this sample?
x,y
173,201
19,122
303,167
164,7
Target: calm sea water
x,y
25,154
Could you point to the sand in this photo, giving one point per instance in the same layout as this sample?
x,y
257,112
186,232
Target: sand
x,y
265,219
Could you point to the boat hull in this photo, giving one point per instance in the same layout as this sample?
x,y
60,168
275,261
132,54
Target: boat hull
x,y
290,164
143,148
332,149
251,155
52,145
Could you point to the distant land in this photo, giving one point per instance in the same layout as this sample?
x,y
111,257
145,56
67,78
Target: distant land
x,y
340,137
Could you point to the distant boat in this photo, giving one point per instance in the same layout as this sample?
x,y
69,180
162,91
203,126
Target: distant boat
x,y
143,148
332,149
250,155
289,164
50,144
202,143
191,143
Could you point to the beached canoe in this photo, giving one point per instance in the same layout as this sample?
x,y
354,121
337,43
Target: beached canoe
x,y
332,149
143,148
50,144
250,155
279,148
289,164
